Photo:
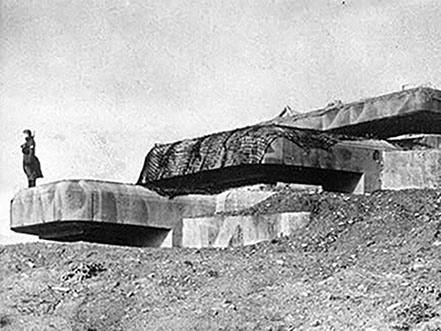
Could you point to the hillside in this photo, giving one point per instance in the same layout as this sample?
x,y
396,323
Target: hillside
x,y
368,262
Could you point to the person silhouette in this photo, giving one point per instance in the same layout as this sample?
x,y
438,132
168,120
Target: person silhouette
x,y
31,164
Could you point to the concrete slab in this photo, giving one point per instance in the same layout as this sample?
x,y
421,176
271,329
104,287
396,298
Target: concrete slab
x,y
225,231
103,212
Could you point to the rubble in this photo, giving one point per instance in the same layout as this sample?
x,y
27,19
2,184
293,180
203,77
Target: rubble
x,y
83,271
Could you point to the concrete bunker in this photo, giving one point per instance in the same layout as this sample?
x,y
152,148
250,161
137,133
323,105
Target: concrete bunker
x,y
263,154
388,142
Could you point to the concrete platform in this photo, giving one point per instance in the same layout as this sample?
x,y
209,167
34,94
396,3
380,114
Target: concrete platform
x,y
226,231
104,212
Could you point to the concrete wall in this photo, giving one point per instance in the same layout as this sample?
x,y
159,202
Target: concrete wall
x,y
411,169
225,231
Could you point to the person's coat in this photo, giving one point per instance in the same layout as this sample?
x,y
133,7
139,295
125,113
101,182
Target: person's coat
x,y
31,164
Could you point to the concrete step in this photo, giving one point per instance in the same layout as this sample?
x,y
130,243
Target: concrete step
x,y
227,231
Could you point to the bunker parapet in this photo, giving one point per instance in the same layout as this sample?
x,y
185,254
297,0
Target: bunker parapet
x,y
388,142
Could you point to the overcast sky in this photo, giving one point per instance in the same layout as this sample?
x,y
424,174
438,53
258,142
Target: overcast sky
x,y
101,81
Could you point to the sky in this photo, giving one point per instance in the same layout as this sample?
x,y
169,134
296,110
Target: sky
x,y
101,81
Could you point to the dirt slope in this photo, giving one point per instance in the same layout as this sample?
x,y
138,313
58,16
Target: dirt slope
x,y
363,263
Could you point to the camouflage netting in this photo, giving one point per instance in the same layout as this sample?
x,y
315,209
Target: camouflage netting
x,y
231,148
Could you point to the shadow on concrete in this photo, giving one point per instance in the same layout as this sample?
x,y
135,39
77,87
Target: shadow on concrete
x,y
99,232
215,181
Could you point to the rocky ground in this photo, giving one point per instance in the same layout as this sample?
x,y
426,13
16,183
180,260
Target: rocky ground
x,y
363,263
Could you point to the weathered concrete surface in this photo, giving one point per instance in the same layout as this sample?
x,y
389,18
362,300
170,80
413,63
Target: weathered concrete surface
x,y
411,169
410,111
225,231
79,209
237,199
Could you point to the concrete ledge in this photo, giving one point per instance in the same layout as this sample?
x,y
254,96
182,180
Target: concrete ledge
x,y
225,231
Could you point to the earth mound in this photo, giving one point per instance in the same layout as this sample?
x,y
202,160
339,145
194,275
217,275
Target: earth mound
x,y
368,262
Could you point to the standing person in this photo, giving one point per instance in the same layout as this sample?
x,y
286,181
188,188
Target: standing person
x,y
31,164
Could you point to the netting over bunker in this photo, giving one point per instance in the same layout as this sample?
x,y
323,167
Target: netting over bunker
x,y
225,149
258,154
